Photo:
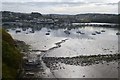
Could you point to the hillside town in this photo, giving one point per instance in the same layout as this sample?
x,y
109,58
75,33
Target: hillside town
x,y
37,20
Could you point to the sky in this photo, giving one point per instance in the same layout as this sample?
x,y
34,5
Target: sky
x,y
61,6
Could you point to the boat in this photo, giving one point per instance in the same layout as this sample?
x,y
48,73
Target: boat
x,y
97,32
102,30
82,33
32,31
117,33
67,32
47,33
13,29
78,31
93,34
18,31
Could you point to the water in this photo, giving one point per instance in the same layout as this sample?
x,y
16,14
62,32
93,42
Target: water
x,y
74,45
77,44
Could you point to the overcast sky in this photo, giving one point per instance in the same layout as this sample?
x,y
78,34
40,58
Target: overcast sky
x,y
61,6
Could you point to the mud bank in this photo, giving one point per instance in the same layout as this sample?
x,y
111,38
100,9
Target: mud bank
x,y
81,60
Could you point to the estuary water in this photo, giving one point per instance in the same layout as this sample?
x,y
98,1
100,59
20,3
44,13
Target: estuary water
x,y
76,44
81,41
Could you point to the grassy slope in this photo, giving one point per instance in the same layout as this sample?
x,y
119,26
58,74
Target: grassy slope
x,y
11,57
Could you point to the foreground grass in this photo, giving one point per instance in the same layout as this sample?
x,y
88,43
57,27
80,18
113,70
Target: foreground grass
x,y
11,57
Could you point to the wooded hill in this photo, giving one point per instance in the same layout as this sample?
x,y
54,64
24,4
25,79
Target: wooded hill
x,y
8,16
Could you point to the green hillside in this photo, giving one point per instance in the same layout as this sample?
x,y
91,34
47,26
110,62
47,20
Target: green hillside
x,y
11,57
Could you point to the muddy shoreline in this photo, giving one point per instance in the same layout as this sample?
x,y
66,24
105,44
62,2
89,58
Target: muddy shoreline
x,y
81,60
34,65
